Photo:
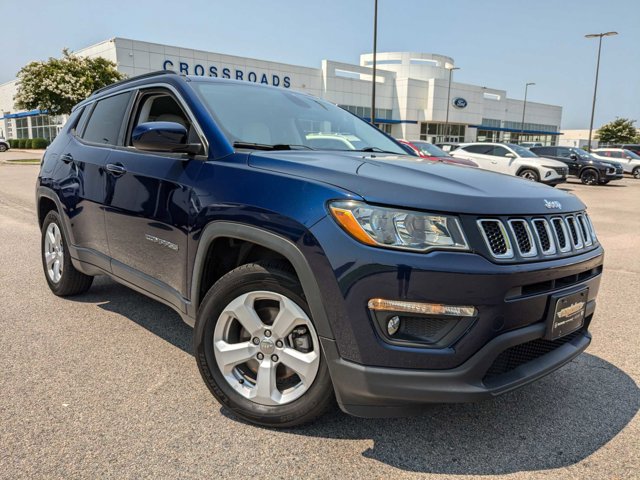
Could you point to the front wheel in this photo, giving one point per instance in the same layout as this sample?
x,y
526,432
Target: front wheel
x,y
589,177
257,348
530,175
3,147
636,172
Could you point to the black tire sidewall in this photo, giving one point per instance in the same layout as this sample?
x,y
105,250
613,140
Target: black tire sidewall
x,y
636,172
243,280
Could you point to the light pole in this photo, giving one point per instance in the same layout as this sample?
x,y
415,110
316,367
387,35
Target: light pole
x,y
595,88
375,46
524,109
446,122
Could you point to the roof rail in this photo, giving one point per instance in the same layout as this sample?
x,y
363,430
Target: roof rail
x,y
157,73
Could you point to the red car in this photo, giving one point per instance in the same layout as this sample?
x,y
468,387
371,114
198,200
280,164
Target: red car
x,y
431,152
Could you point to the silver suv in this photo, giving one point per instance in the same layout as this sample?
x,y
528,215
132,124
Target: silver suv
x,y
514,160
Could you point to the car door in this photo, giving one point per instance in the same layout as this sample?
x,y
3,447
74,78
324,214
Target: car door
x,y
83,188
476,153
149,202
502,159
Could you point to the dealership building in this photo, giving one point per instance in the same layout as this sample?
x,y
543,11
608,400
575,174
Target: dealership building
x,y
411,93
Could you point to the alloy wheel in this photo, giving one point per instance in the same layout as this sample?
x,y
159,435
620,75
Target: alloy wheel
x,y
54,252
266,348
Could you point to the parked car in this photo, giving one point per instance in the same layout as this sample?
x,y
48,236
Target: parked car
x,y
514,160
447,147
589,169
530,144
4,145
634,147
429,151
314,275
629,160
333,141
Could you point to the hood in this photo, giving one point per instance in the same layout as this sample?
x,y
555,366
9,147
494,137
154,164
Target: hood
x,y
409,182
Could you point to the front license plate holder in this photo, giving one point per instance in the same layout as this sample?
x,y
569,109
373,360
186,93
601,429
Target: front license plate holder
x,y
566,314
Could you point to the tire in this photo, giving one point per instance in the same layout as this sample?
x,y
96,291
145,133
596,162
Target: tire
x,y
589,177
238,382
62,277
3,147
529,174
636,172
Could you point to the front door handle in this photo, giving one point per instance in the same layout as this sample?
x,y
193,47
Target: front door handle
x,y
66,158
116,169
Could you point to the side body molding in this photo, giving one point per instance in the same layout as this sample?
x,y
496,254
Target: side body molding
x,y
268,240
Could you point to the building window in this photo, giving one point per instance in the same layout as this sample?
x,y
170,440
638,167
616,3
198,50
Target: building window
x,y
365,112
437,133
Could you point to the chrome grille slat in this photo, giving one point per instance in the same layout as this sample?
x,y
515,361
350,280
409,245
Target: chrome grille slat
x,y
574,231
545,238
584,230
562,234
496,238
523,237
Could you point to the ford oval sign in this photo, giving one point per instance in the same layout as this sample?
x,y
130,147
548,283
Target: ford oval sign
x,y
459,102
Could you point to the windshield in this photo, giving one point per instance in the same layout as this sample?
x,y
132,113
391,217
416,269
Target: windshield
x,y
583,154
430,149
631,154
275,117
522,152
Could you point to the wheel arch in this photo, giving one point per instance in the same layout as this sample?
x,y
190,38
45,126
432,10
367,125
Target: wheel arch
x,y
271,241
527,167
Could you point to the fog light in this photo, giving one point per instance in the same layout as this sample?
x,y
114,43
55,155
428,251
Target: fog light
x,y
380,304
393,325
548,174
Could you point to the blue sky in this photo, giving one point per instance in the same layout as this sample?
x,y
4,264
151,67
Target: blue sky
x,y
497,43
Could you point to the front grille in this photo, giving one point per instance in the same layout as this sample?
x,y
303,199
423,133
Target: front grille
x,y
561,170
537,237
519,355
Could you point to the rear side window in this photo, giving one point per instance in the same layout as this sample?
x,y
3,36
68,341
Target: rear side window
x,y
547,151
481,149
105,122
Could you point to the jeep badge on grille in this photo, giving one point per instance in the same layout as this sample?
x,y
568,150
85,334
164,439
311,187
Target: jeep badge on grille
x,y
552,204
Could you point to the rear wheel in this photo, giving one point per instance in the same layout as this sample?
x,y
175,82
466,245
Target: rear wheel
x,y
636,172
529,174
62,277
589,177
257,347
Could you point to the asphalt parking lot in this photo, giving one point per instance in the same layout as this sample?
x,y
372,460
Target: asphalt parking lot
x,y
105,385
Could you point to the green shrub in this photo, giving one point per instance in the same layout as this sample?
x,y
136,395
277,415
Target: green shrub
x,y
14,142
27,143
39,143
22,142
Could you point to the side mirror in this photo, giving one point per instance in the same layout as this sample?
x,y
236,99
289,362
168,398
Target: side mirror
x,y
510,155
169,137
629,157
573,156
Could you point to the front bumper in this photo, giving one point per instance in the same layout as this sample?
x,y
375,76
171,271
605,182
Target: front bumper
x,y
374,392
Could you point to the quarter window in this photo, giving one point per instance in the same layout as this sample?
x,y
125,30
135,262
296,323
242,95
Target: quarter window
x,y
106,120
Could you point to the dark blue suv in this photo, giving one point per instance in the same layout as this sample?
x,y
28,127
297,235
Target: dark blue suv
x,y
316,262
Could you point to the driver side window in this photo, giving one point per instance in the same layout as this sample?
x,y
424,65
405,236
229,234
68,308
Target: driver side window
x,y
500,152
159,106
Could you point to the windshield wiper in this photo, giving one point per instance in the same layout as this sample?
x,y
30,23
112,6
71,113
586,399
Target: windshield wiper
x,y
266,146
375,149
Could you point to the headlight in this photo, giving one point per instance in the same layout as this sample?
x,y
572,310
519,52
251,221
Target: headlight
x,y
402,229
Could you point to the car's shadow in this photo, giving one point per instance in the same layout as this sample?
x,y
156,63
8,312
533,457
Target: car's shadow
x,y
553,423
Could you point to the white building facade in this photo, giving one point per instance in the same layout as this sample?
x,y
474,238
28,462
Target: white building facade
x,y
411,93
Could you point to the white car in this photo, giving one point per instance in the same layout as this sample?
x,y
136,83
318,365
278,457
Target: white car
x,y
514,160
629,160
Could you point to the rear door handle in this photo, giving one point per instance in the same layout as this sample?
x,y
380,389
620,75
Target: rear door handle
x,y
116,169
66,158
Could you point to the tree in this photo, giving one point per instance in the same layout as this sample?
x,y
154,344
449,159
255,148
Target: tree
x,y
59,83
621,130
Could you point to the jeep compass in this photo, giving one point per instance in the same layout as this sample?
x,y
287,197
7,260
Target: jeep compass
x,y
356,275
